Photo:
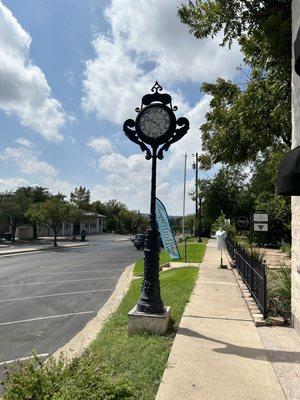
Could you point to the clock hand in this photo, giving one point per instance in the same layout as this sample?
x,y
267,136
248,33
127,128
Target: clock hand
x,y
151,121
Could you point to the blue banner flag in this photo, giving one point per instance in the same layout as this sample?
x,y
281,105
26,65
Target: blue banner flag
x,y
165,230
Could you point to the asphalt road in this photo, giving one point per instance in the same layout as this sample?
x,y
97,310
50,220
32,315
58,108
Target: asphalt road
x,y
47,297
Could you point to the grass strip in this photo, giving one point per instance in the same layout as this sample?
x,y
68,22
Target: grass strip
x,y
194,254
115,366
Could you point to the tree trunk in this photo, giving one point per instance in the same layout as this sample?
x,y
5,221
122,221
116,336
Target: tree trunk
x,y
34,227
13,232
55,238
74,230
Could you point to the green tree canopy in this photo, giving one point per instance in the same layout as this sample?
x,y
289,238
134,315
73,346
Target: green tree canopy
x,y
81,198
51,213
252,116
13,207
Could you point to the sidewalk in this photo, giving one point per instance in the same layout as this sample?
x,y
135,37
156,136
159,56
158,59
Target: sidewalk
x,y
218,353
24,248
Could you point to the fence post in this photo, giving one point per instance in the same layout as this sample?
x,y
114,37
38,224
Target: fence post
x,y
265,307
251,272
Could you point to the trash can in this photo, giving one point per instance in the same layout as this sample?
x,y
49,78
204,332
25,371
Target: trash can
x,y
83,235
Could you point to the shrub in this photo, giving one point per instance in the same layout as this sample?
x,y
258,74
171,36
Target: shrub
x,y
279,292
56,380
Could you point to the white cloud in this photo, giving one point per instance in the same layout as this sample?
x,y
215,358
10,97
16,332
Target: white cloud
x,y
128,180
147,42
191,142
12,183
56,185
148,33
24,88
26,160
154,32
25,142
101,145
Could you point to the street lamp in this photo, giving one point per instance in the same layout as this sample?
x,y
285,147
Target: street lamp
x,y
154,130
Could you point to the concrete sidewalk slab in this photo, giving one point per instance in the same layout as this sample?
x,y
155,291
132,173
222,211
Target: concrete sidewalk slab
x,y
217,352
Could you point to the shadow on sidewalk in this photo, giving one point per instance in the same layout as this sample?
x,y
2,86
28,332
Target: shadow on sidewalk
x,y
246,352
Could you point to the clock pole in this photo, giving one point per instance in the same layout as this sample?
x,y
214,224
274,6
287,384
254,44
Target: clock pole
x,y
150,299
156,126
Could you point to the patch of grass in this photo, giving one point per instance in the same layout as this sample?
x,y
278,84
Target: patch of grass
x,y
115,366
195,253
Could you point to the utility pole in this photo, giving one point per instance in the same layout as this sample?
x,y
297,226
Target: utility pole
x,y
184,190
197,201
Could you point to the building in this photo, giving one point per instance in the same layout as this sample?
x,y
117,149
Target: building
x,y
296,143
92,223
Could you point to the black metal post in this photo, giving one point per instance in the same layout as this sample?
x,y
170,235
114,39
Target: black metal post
x,y
196,193
197,201
150,299
155,128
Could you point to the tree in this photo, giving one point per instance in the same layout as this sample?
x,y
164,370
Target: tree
x,y
252,116
36,194
249,121
51,213
241,125
262,27
227,192
114,211
81,198
75,215
13,207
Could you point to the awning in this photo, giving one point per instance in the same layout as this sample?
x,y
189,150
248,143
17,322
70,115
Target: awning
x,y
289,174
297,53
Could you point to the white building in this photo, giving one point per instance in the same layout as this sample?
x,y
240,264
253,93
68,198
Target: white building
x,y
92,223
295,200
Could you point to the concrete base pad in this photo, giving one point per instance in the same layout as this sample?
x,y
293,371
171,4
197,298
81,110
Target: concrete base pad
x,y
156,324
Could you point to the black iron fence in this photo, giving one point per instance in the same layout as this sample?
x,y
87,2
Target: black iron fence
x,y
253,272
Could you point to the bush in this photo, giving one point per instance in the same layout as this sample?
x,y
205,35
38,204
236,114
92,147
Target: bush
x,y
222,223
279,292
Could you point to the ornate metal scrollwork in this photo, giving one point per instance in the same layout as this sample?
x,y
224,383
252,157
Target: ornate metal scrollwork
x,y
155,96
128,126
182,124
177,135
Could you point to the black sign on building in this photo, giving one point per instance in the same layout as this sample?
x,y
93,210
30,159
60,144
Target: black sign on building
x,y
243,222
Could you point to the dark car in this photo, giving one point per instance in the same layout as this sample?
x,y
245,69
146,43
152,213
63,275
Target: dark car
x,y
139,241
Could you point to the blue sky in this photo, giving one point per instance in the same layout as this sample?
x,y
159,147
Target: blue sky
x,y
71,71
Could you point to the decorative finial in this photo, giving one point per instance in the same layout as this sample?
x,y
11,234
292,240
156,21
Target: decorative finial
x,y
156,88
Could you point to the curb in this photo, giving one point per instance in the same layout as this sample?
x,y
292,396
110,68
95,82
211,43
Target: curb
x,y
250,303
12,253
76,346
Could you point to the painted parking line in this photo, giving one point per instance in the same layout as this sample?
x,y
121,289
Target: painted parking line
x,y
55,294
46,283
44,318
24,359
66,272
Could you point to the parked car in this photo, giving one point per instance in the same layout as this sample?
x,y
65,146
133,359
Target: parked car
x,y
139,241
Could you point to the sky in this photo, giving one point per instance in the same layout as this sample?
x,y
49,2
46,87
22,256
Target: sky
x,y
71,72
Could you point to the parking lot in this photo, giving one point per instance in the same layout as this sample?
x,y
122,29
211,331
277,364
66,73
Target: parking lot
x,y
47,297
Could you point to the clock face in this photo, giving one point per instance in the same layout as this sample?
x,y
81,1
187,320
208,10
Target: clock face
x,y
154,122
